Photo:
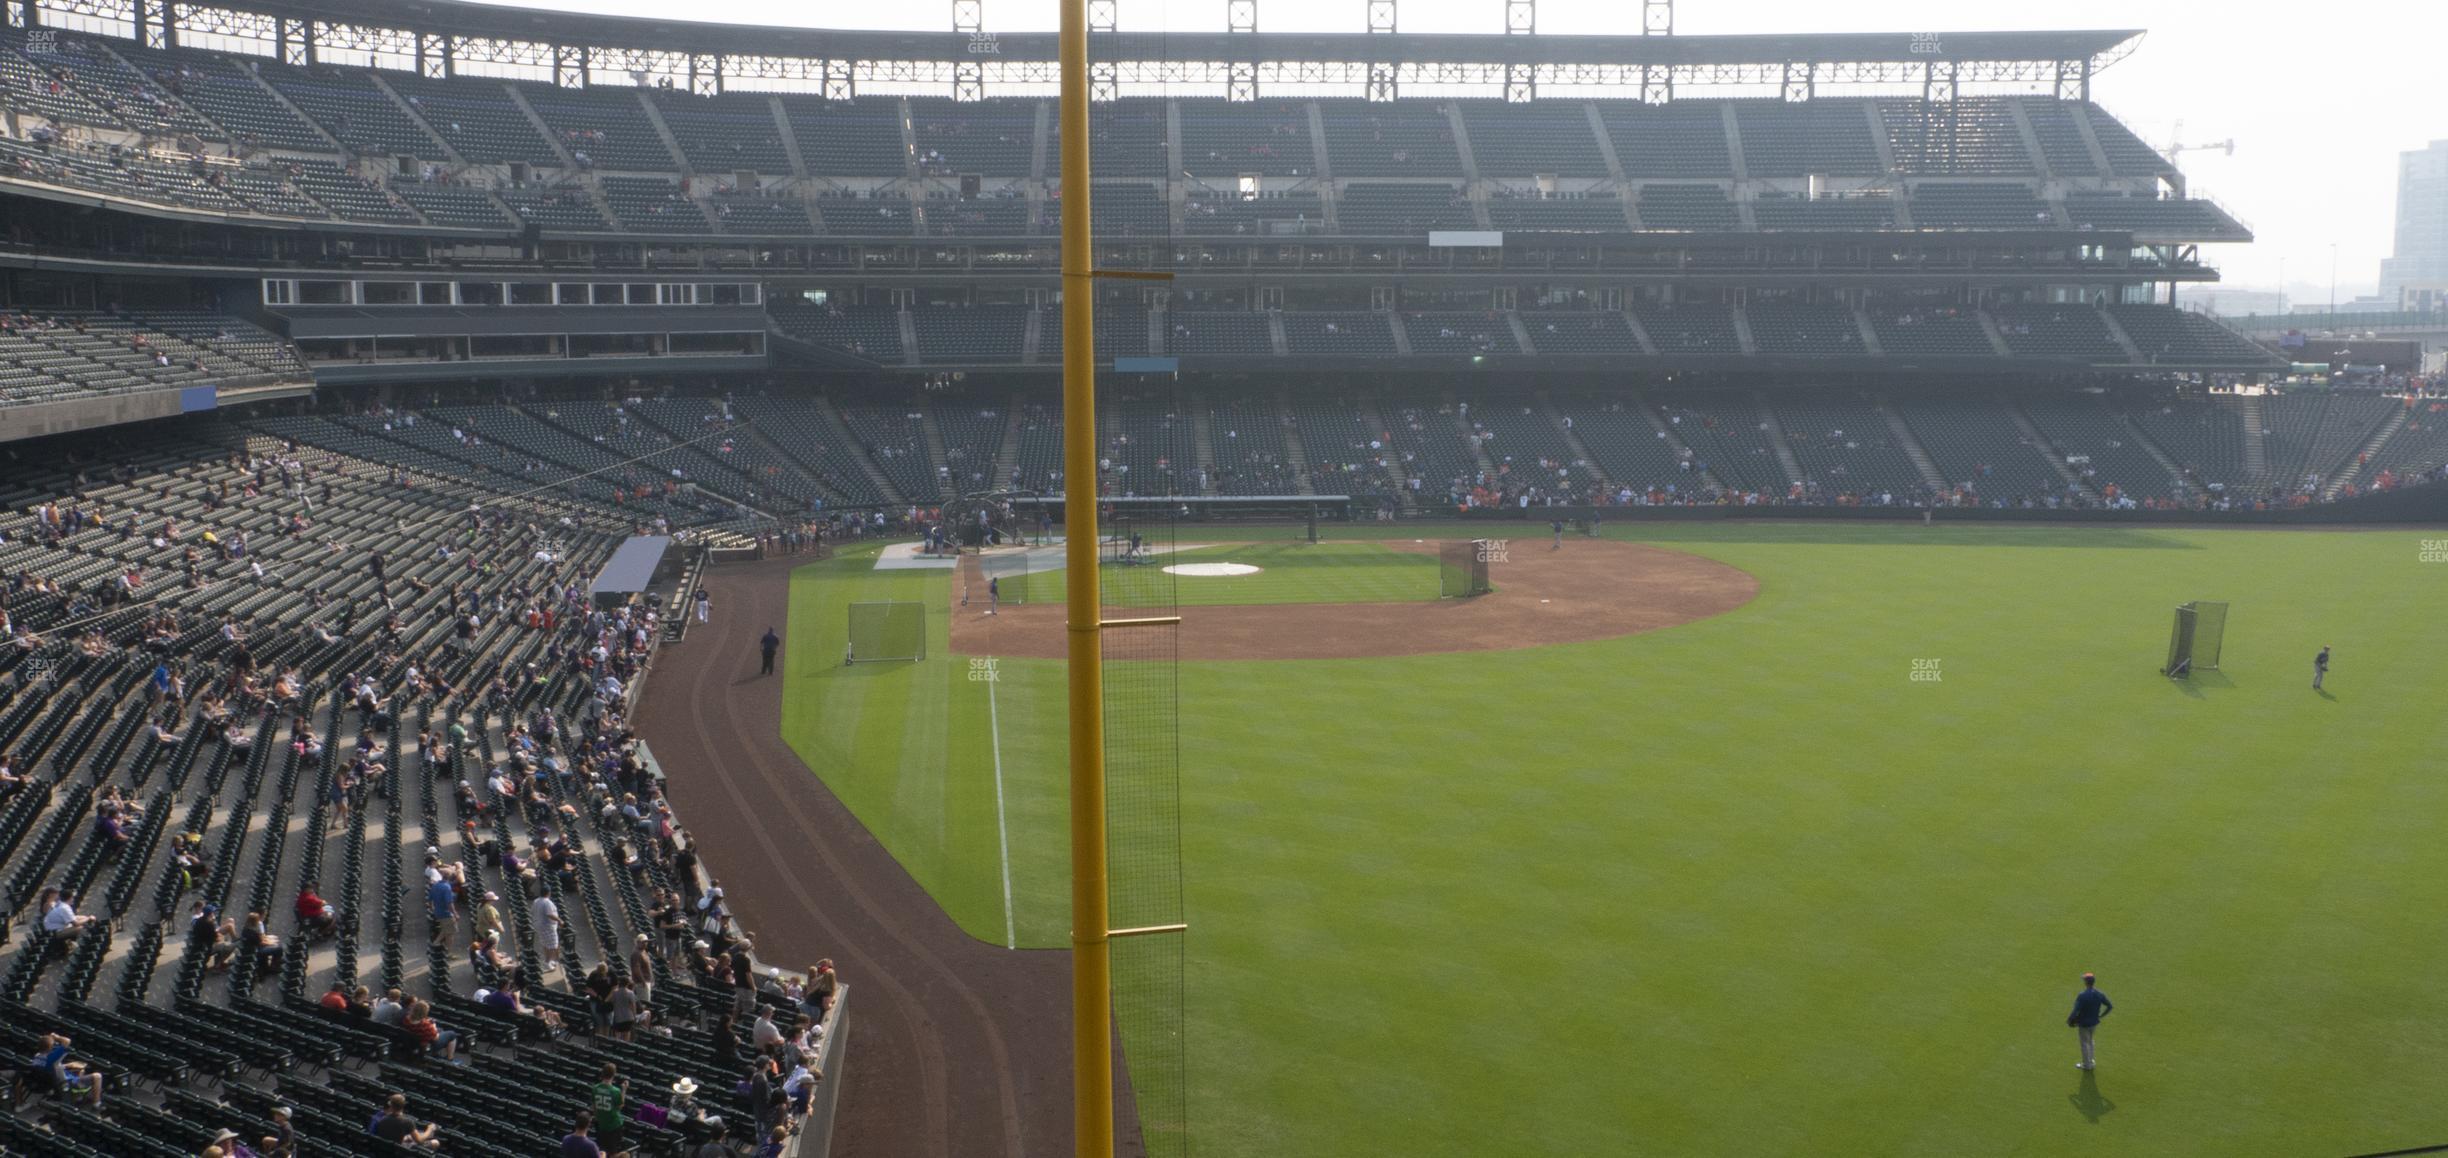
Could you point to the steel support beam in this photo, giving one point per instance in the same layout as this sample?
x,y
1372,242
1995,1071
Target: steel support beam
x,y
1103,16
1657,18
969,73
1241,76
1801,81
1521,80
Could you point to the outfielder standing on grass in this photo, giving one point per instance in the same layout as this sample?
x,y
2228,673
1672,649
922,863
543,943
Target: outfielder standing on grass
x,y
2320,666
2090,1006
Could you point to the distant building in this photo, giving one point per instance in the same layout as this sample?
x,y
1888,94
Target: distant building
x,y
2422,223
2227,302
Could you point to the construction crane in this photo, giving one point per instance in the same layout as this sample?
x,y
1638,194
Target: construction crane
x,y
2177,147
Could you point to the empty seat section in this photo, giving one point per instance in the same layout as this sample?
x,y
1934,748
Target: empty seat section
x,y
653,205
2099,446
1353,333
1796,139
1907,330
872,332
2065,332
1680,139
1814,330
1593,213
860,138
601,128
1847,448
1939,205
1221,141
970,334
1975,443
1398,139
2168,334
1693,207
1628,447
1459,332
1385,208
1579,332
894,438
1689,328
1251,453
1729,439
1266,215
990,138
357,114
726,132
1833,213
1510,139
478,118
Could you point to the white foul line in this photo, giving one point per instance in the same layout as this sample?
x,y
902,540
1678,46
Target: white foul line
x,y
1011,939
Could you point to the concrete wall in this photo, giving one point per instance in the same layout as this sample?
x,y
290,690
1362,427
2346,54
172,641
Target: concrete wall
x,y
36,419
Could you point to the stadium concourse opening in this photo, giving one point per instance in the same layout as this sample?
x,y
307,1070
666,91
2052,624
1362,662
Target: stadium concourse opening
x,y
1589,589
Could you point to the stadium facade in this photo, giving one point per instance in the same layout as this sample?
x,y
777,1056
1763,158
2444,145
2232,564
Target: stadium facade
x,y
1905,227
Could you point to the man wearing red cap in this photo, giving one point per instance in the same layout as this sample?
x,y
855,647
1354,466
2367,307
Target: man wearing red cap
x,y
2090,1006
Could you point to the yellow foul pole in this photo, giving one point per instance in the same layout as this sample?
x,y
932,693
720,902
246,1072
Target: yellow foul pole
x,y
1091,954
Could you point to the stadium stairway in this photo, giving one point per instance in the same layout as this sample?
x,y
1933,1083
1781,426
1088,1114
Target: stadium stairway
x,y
2056,457
2365,455
1373,420
1202,441
1572,440
2124,341
2177,476
883,484
1913,449
1296,452
2256,441
939,453
1007,458
1774,428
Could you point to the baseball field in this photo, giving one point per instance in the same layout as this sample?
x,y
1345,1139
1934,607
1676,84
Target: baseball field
x,y
1735,838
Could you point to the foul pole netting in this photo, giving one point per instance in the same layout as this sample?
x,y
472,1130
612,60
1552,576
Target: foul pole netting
x,y
1142,655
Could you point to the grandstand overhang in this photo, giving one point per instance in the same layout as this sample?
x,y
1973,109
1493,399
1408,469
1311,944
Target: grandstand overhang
x,y
444,37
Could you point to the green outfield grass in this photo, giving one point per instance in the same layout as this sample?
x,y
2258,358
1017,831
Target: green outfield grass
x,y
1288,572
1744,886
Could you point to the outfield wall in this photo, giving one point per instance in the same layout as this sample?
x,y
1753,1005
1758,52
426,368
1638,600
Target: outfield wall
x,y
2414,505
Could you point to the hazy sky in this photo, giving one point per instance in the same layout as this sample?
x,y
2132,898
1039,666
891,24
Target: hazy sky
x,y
2318,97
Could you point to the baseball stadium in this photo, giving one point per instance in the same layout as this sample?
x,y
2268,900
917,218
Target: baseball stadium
x,y
1212,592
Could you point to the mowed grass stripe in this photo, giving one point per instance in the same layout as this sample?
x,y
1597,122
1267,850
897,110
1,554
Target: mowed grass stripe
x,y
1743,887
1296,572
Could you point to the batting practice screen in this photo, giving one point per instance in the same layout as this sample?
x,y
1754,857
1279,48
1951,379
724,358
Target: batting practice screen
x,y
2196,638
886,631
1462,568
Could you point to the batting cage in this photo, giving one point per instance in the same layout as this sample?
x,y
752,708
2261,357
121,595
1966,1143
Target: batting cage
x,y
882,632
1462,567
2196,639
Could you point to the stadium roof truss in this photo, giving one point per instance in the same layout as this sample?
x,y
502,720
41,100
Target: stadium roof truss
x,y
449,37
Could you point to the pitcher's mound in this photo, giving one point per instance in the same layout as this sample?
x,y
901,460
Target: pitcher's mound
x,y
1211,570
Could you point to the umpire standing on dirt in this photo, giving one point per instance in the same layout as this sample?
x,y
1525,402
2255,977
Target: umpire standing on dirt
x,y
769,645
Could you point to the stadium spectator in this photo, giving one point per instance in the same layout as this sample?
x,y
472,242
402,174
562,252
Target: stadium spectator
x,y
394,1125
51,1071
